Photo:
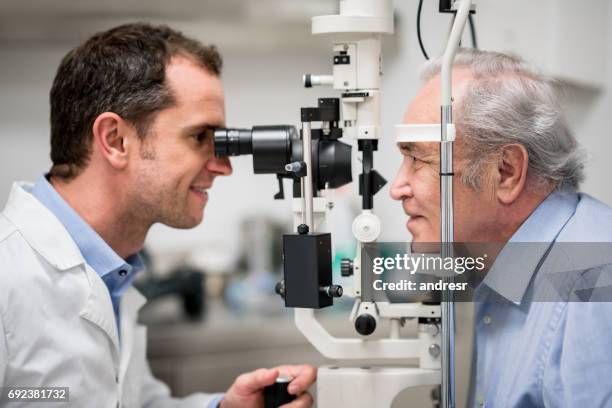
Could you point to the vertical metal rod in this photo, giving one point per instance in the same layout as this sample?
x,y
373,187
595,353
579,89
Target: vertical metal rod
x,y
307,158
446,203
446,242
303,194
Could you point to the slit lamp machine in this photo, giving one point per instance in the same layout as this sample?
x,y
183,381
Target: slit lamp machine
x,y
316,160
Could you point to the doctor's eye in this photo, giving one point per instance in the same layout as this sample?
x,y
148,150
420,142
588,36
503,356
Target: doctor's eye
x,y
204,136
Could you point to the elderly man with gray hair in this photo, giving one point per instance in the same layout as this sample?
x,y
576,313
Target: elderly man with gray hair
x,y
517,171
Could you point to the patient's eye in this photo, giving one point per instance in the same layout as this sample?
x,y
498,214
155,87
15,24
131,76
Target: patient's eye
x,y
416,159
418,163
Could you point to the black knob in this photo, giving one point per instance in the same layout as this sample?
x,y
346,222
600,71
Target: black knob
x,y
302,229
365,324
332,290
346,267
280,288
276,394
336,290
307,81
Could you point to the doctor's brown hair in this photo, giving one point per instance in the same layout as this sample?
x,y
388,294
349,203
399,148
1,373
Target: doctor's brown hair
x,y
121,70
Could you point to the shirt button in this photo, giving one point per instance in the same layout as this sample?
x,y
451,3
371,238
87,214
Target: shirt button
x,y
122,272
481,401
487,320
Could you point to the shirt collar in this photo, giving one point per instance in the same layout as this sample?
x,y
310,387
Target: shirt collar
x,y
94,249
516,264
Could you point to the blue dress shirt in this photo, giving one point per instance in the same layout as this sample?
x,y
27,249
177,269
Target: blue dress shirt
x,y
543,354
117,273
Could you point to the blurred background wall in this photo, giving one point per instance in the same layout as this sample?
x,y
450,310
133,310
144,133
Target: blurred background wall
x,y
267,47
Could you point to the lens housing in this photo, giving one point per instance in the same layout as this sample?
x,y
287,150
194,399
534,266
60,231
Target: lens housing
x,y
233,142
275,146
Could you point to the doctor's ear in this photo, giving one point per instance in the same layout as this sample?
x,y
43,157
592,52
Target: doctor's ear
x,y
110,135
511,173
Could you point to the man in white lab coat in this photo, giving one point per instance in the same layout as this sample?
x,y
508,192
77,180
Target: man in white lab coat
x,y
132,115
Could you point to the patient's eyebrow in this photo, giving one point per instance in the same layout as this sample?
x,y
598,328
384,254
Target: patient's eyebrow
x,y
411,147
422,150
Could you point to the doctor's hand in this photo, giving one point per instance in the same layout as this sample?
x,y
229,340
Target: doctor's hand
x,y
247,389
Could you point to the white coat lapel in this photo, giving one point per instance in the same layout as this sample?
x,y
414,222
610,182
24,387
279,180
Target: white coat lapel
x,y
98,309
131,335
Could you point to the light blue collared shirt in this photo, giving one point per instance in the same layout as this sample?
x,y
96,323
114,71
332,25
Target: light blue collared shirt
x,y
530,353
117,273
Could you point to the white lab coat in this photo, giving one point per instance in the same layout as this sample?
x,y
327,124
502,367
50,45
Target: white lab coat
x,y
57,326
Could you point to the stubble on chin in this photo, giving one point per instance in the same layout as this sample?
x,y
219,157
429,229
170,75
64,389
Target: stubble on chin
x,y
176,213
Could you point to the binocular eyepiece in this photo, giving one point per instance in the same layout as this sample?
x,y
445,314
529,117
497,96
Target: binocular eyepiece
x,y
269,145
275,146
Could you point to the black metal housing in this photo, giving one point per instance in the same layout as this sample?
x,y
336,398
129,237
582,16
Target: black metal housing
x,y
307,269
275,146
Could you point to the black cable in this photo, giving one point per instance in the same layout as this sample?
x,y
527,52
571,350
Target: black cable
x,y
419,29
473,31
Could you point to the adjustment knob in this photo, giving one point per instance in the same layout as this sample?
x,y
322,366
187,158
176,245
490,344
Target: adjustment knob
x,y
277,394
307,80
332,291
346,267
366,227
365,324
279,288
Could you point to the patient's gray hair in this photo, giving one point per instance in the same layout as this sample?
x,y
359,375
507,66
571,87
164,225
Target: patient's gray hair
x,y
508,102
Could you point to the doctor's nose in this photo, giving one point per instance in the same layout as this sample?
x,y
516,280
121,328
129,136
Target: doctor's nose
x,y
219,166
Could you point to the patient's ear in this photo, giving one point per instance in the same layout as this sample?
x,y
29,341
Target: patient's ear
x,y
511,173
110,135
